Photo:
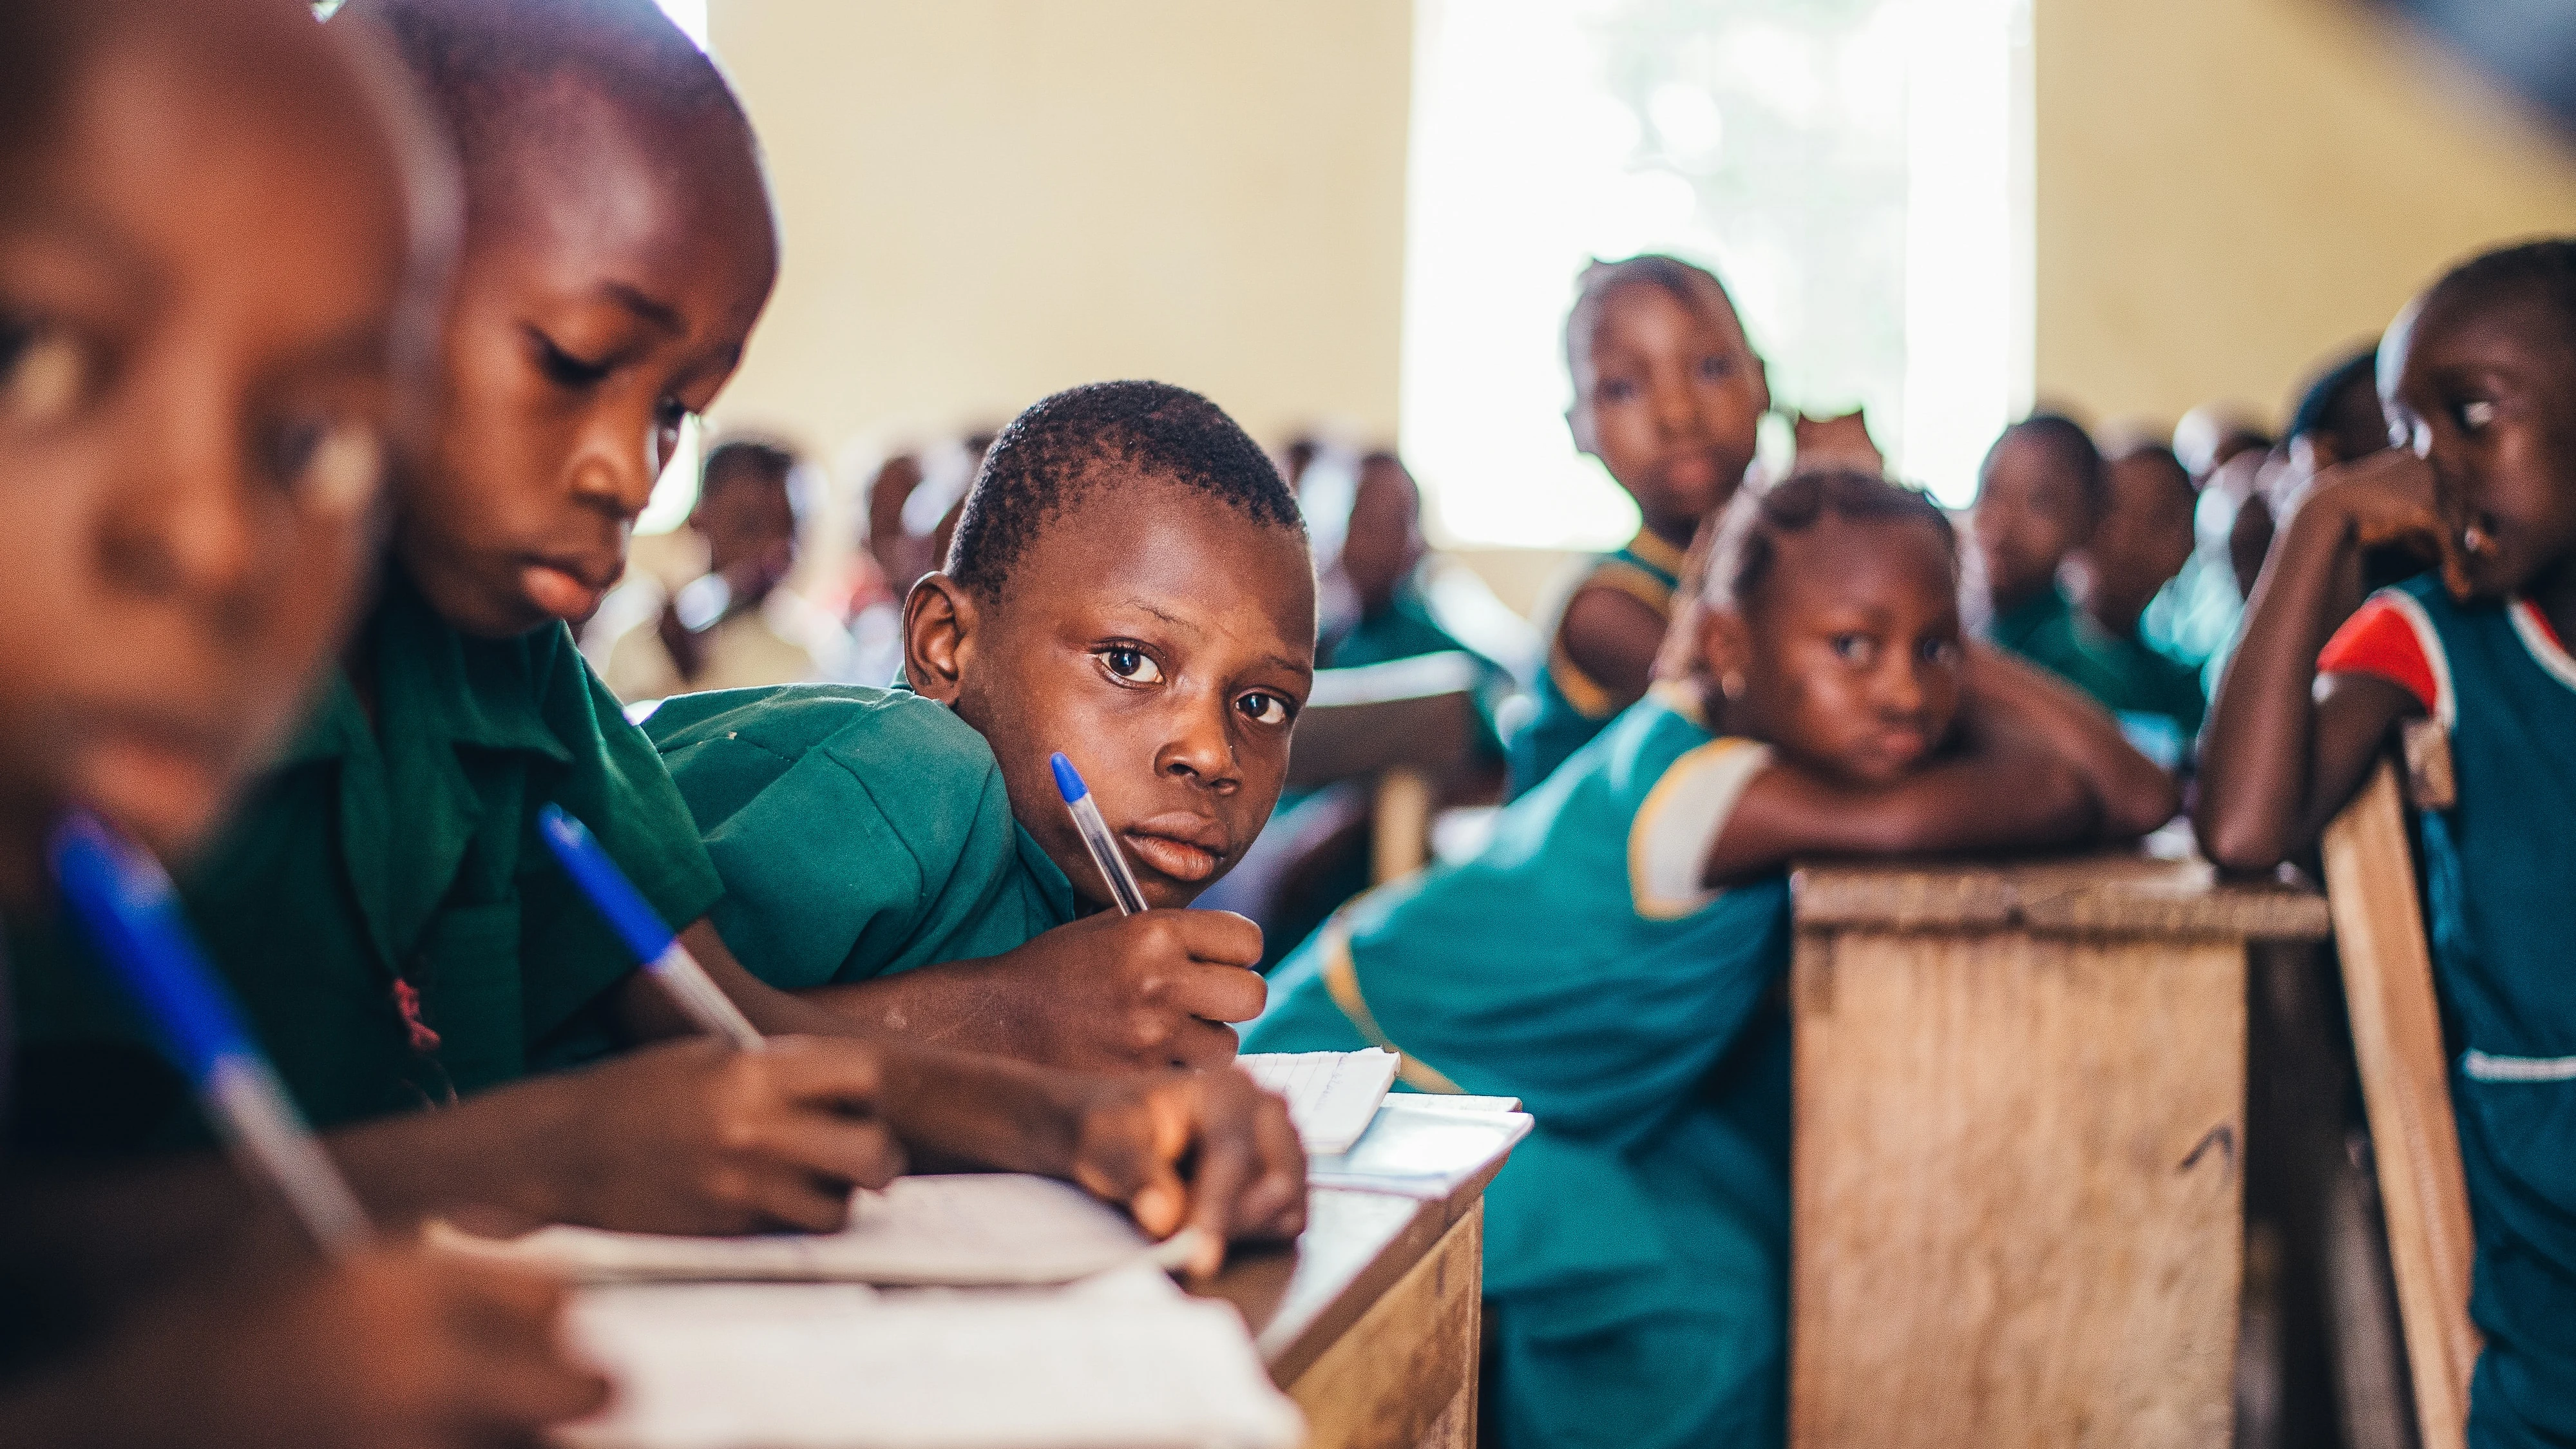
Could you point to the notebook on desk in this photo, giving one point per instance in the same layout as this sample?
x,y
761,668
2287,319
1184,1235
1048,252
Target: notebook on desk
x,y
1332,1096
1423,1144
965,1229
833,1366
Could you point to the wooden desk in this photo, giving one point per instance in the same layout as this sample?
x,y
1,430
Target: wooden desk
x,y
2020,1097
1371,1321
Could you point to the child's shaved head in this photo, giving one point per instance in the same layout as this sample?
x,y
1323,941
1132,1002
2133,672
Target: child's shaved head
x,y
1055,456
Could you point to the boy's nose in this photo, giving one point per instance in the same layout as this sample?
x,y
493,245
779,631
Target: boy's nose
x,y
185,523
1201,750
615,468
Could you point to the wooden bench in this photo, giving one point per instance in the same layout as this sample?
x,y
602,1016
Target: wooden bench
x,y
2017,1179
1372,1321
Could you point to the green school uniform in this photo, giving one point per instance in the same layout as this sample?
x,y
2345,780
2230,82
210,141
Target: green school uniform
x,y
1637,1242
1408,629
1572,705
858,831
2156,699
394,862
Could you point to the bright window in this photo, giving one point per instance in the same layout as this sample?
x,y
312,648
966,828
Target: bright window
x,y
1848,166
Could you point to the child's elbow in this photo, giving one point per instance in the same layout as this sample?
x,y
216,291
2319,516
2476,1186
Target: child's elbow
x,y
2063,805
2141,804
2237,840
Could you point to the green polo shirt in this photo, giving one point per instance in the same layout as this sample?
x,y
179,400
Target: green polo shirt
x,y
395,853
858,831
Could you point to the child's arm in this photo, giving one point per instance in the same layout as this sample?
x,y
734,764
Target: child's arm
x,y
2279,755
1613,638
2038,766
403,1350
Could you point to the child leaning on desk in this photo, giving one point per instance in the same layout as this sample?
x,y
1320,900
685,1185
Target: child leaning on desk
x,y
2478,379
382,904
220,239
1611,956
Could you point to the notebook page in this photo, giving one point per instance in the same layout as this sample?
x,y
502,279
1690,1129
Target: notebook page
x,y
841,1367
1331,1095
968,1228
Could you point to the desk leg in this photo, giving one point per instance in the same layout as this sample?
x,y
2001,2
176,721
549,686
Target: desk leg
x,y
1404,1376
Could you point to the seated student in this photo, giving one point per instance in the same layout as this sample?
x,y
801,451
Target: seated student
x,y
1612,957
1130,585
2135,552
738,624
2479,375
881,573
382,905
207,277
2040,493
1668,395
2338,418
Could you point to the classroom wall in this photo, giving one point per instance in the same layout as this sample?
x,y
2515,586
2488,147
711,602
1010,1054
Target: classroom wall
x,y
987,200
2224,191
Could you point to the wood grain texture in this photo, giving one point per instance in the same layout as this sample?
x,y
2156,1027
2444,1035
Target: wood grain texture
x,y
2017,1202
2397,1040
2117,893
1405,1374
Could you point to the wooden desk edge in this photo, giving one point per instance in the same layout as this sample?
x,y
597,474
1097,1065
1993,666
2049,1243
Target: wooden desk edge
x,y
2115,894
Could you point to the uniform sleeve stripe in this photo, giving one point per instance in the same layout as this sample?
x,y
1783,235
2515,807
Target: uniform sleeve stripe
x,y
2390,637
1668,844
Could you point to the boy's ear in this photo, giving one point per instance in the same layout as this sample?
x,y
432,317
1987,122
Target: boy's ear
x,y
1578,421
1725,644
939,619
1761,385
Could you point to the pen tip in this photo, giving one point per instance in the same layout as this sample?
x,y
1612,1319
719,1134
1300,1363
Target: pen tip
x,y
1067,782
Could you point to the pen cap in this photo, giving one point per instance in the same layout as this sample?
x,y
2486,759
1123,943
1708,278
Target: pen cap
x,y
1068,781
625,909
123,900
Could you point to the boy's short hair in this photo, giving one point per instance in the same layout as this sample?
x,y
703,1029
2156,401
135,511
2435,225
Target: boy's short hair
x,y
2546,267
1061,450
475,57
1599,279
1749,530
2314,412
2073,445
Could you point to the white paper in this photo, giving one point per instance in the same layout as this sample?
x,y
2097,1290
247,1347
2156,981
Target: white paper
x,y
1422,1145
774,1366
977,1228
1331,1095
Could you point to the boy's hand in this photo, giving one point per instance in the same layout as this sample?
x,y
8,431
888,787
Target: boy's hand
x,y
1205,1150
397,1350
695,1137
1119,993
2388,500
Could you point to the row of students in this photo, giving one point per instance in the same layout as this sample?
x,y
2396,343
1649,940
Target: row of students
x,y
212,439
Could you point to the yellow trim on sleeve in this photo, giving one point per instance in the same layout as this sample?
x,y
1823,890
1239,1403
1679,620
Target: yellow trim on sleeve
x,y
1342,979
1650,546
1620,576
1692,768
1590,697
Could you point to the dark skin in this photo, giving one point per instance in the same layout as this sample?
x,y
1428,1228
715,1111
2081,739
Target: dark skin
x,y
193,444
2144,538
1384,545
2034,507
748,519
1164,642
1668,395
1893,734
614,260
2476,385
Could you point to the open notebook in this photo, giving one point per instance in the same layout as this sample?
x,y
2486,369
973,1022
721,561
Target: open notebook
x,y
1332,1096
968,1229
775,1366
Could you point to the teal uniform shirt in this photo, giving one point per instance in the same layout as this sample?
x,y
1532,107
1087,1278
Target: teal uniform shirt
x,y
858,831
1408,629
1637,1243
1572,706
2500,903
382,905
2157,701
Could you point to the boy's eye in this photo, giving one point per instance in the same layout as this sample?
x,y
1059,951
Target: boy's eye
x,y
44,372
565,370
2475,414
329,463
1716,369
1614,390
1938,651
1265,708
1853,648
1130,664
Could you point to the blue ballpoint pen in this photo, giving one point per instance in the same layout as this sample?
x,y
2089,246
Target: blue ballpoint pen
x,y
1105,855
643,931
124,902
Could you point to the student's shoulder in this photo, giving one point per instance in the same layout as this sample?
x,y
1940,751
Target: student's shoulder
x,y
860,726
2396,635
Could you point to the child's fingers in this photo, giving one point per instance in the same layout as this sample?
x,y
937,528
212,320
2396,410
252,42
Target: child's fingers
x,y
797,1201
847,1151
1274,1205
821,1069
1220,938
1200,1043
1219,993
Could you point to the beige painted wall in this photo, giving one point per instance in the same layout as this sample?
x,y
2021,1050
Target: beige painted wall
x,y
2226,190
987,200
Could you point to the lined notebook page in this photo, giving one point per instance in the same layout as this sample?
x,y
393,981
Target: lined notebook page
x,y
1331,1095
965,1229
845,1367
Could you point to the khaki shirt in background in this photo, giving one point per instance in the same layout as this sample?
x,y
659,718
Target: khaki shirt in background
x,y
784,641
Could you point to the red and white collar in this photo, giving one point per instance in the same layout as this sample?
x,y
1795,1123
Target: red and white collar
x,y
2542,640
